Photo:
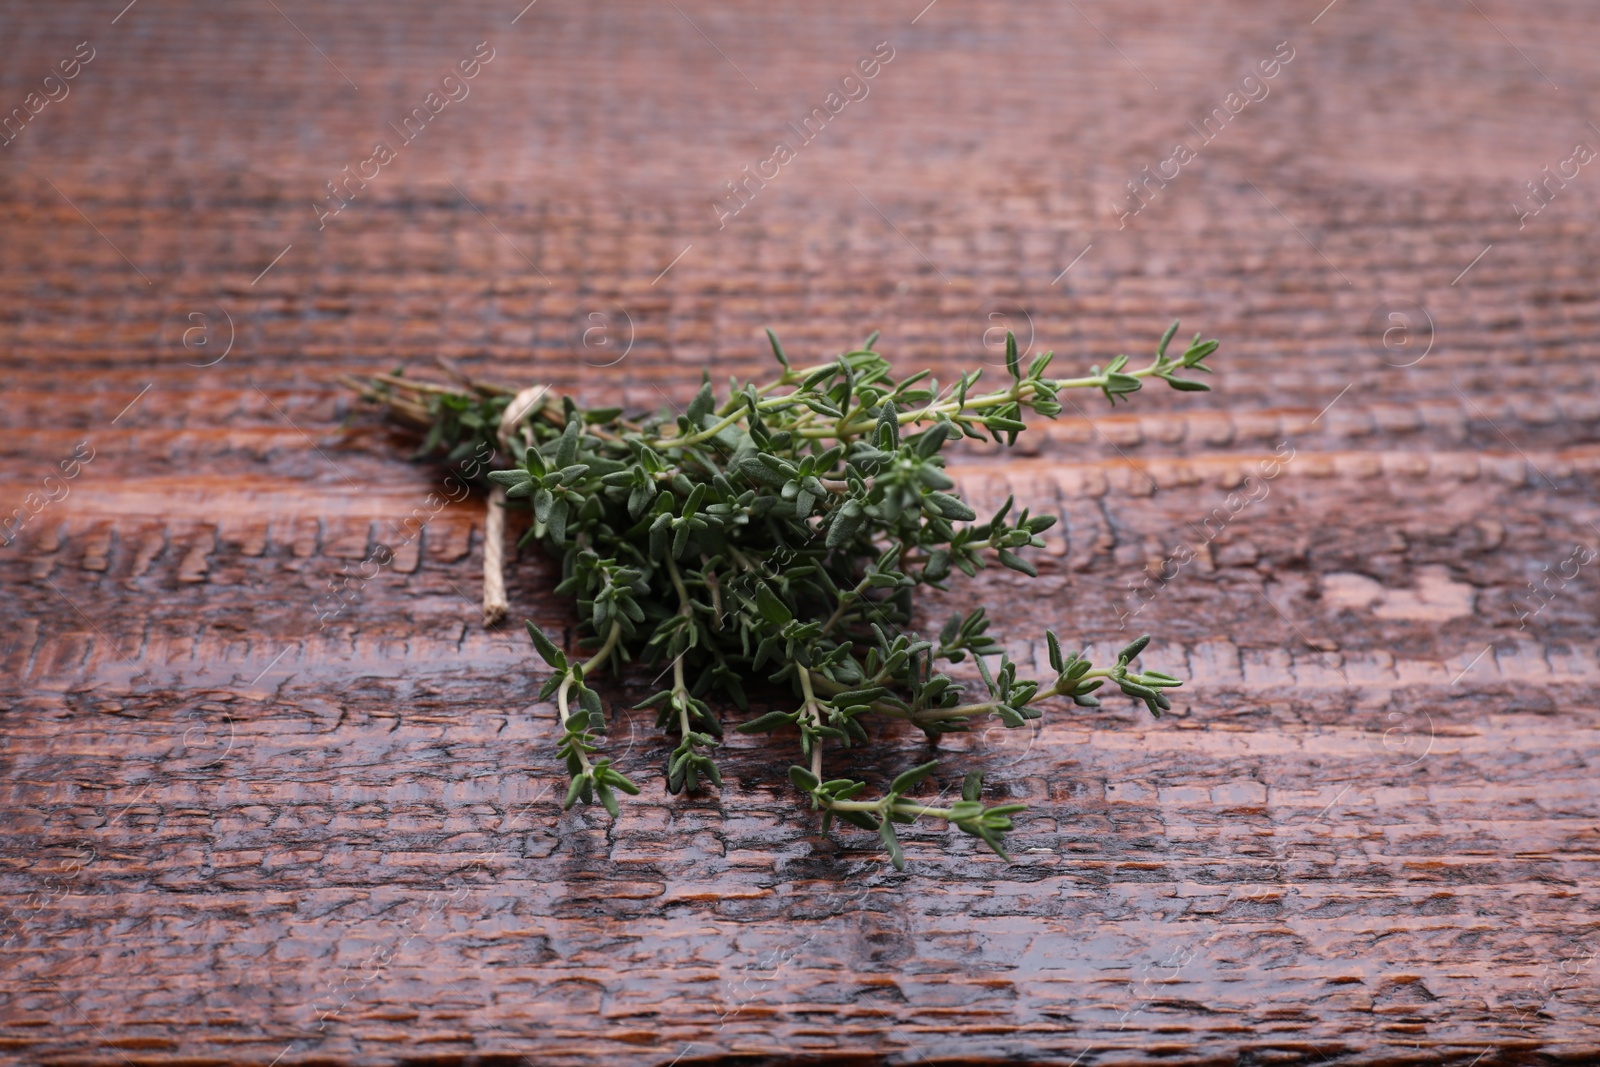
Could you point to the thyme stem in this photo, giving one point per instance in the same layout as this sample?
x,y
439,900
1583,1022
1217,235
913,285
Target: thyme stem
x,y
816,720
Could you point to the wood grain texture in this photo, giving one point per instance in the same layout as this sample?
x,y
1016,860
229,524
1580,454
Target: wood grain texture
x,y
240,828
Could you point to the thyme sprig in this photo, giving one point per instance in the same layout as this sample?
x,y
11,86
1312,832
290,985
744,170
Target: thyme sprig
x,y
778,532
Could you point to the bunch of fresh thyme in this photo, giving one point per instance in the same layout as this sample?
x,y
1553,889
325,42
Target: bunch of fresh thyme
x,y
779,532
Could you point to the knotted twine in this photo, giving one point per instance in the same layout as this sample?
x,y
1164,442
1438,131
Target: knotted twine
x,y
495,605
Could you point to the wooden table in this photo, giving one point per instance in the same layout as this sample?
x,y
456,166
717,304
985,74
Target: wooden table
x,y
239,830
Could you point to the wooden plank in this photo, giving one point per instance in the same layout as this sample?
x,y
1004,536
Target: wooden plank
x,y
249,818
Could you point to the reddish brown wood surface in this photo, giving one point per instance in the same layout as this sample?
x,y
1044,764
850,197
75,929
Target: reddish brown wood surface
x,y
1369,833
